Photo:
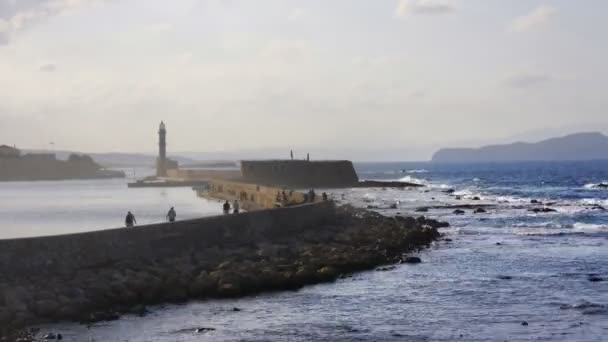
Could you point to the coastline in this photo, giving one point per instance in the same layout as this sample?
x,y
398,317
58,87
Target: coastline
x,y
242,264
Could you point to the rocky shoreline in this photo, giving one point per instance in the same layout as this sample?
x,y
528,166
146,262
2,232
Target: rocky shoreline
x,y
356,240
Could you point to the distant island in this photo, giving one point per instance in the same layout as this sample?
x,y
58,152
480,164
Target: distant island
x,y
15,166
578,146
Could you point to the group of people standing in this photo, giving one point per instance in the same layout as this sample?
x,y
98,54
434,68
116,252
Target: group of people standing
x,y
130,220
236,208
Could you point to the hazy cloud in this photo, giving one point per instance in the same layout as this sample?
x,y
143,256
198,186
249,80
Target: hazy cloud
x,y
297,14
48,67
405,7
528,79
537,18
17,15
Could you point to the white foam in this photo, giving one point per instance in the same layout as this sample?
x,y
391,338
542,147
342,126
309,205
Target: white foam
x,y
410,179
589,227
595,186
417,171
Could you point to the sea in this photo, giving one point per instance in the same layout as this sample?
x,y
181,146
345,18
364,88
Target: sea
x,y
507,274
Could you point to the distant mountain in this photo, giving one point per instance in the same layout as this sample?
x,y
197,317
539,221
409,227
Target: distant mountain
x,y
579,146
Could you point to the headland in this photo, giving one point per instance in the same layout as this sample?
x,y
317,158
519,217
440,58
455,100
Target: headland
x,y
45,166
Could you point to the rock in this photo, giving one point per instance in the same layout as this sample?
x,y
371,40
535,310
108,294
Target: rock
x,y
534,201
498,244
524,323
602,185
458,212
139,310
393,206
50,336
204,330
505,277
449,191
422,210
327,273
479,211
385,268
412,260
476,198
235,309
46,307
594,278
542,210
458,197
598,207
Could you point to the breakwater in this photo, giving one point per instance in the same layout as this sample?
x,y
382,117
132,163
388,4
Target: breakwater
x,y
95,276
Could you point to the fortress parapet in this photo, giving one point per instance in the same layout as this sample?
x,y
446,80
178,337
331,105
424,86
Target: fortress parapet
x,y
300,173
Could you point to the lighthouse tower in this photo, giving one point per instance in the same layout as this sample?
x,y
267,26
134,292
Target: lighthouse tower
x,y
161,163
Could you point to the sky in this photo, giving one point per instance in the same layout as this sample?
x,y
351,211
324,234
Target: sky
x,y
405,76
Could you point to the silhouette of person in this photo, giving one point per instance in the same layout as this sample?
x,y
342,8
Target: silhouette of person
x,y
130,220
226,207
291,153
171,215
324,196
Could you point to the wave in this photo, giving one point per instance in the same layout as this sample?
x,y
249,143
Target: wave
x,y
410,179
603,185
415,171
589,227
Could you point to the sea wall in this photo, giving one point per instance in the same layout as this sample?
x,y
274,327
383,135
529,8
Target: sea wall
x,y
73,252
300,173
202,174
252,196
97,276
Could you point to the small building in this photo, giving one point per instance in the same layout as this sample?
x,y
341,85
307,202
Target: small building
x,y
9,152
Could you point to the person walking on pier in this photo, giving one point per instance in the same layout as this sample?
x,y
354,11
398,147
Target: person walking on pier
x,y
235,207
130,220
226,208
171,215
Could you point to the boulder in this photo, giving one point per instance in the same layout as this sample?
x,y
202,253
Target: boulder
x,y
327,273
458,212
458,197
476,198
449,191
479,211
542,210
422,210
412,260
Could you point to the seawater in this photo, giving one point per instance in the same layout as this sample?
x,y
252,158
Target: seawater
x,y
73,206
501,269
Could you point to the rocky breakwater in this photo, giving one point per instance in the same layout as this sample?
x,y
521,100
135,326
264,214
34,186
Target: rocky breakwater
x,y
237,265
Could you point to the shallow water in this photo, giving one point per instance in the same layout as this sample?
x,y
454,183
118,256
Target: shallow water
x,y
59,207
469,289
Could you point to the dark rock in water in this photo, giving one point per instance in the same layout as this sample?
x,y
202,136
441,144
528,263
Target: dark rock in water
x,y
476,198
412,260
479,211
372,207
498,244
393,206
458,212
594,278
449,191
385,268
535,201
602,185
505,277
458,197
598,207
204,330
235,309
524,323
50,336
422,210
542,210
447,240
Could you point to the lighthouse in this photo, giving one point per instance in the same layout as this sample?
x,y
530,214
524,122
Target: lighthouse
x,y
161,163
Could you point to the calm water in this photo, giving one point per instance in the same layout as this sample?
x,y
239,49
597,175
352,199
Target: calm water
x,y
470,289
58,207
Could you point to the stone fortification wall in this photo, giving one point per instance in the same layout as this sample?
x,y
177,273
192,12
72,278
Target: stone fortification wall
x,y
202,174
65,254
300,173
252,196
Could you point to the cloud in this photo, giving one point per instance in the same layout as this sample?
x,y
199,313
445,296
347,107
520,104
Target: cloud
x,y
525,80
535,19
405,7
48,67
297,14
18,15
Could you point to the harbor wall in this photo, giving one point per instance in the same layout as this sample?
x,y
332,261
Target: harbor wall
x,y
70,253
300,173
